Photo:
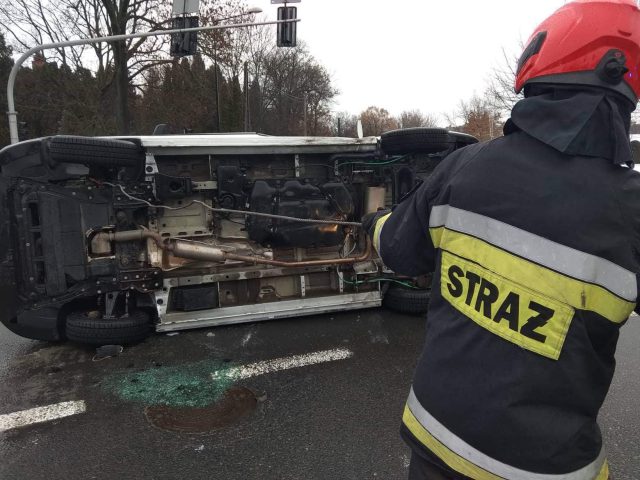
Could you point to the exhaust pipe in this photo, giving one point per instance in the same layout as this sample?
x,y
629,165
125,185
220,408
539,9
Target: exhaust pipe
x,y
207,253
195,251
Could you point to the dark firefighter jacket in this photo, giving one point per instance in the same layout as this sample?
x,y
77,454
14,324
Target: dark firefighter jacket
x,y
535,245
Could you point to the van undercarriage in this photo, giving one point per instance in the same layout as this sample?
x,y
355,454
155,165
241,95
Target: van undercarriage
x,y
113,238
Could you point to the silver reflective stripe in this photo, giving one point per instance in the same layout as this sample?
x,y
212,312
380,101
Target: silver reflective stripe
x,y
566,260
466,451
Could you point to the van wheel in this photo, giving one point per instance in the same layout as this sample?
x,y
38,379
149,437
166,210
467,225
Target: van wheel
x,y
99,152
415,140
89,327
462,139
423,140
407,300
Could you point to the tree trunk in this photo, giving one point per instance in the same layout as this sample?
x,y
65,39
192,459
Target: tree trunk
x,y
118,14
122,88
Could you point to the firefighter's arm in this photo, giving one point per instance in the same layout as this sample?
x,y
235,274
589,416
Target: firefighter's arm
x,y
401,237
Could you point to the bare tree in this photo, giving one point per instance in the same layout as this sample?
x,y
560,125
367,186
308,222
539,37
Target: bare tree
x,y
259,47
376,120
501,95
416,118
229,48
120,65
35,22
478,118
290,81
285,86
87,18
134,56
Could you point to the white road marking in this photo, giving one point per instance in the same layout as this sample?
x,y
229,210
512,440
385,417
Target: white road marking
x,y
278,364
23,418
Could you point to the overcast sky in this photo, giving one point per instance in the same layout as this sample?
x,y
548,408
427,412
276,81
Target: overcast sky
x,y
407,54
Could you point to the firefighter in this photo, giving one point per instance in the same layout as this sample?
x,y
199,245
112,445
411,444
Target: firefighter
x,y
534,241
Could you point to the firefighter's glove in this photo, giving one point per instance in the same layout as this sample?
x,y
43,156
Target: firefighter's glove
x,y
370,219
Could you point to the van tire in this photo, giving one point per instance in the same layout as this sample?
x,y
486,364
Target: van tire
x,y
415,140
423,140
407,300
83,328
97,152
462,139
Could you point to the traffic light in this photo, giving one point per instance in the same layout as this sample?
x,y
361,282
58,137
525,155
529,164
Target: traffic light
x,y
184,43
287,31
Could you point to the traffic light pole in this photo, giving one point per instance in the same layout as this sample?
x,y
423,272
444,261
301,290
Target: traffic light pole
x,y
13,115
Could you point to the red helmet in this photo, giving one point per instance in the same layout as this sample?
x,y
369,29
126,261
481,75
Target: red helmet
x,y
586,42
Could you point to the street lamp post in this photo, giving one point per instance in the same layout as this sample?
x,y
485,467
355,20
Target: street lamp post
x,y
217,84
305,101
13,115
247,124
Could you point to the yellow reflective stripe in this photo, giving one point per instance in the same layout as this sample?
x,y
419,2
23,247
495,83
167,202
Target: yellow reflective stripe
x,y
470,469
604,473
540,250
378,231
578,294
436,236
510,310
455,461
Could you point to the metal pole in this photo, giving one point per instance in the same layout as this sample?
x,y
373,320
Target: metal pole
x,y
217,85
304,98
246,96
13,115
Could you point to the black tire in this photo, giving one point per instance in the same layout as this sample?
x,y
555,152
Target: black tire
x,y
415,140
83,328
462,139
407,300
423,140
95,152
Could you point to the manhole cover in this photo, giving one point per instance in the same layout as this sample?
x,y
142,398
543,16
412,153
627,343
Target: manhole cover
x,y
237,402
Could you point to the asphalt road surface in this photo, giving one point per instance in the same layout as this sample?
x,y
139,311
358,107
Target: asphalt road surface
x,y
324,401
